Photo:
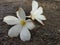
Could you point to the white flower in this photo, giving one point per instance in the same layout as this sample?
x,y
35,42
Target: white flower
x,y
36,13
21,25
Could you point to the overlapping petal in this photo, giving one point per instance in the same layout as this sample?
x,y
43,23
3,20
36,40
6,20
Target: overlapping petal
x,y
21,14
10,20
39,11
30,25
41,17
34,6
15,31
40,21
25,34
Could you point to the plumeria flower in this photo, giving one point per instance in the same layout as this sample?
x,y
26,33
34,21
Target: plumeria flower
x,y
21,25
36,12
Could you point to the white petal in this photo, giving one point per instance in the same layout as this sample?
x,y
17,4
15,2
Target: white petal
x,y
30,25
41,17
14,31
10,20
39,11
40,21
25,34
34,6
21,14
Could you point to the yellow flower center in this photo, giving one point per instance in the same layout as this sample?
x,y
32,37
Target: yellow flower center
x,y
22,22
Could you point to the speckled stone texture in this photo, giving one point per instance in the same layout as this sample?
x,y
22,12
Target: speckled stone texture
x,y
49,34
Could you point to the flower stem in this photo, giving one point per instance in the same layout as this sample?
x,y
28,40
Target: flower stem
x,y
28,16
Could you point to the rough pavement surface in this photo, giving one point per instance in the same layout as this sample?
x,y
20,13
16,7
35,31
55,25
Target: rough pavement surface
x,y
49,34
